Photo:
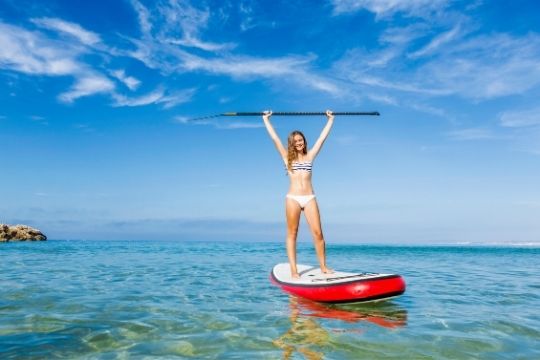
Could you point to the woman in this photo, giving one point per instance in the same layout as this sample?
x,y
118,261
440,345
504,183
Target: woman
x,y
298,161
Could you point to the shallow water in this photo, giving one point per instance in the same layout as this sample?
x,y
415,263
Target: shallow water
x,y
166,299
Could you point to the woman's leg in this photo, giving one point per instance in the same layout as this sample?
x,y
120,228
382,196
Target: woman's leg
x,y
311,210
292,212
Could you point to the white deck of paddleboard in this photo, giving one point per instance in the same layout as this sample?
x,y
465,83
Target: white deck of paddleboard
x,y
311,275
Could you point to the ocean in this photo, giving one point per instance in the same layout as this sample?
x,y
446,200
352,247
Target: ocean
x,y
213,300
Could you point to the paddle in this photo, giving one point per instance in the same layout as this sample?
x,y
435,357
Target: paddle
x,y
293,113
298,113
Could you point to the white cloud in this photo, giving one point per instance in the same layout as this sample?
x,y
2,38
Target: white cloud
x,y
195,42
290,69
131,82
89,84
143,16
384,8
355,68
239,125
35,54
181,119
150,98
183,25
158,96
321,83
175,98
437,42
520,118
487,67
247,17
84,36
471,134
476,68
32,53
403,35
244,66
218,122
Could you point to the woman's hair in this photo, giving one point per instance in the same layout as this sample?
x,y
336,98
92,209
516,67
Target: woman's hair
x,y
291,151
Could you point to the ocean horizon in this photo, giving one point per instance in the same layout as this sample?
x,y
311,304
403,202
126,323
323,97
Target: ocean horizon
x,y
98,299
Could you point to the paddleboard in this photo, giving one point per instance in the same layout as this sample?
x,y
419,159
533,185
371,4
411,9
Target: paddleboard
x,y
338,287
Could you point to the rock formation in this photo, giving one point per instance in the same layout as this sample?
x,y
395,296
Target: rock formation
x,y
20,233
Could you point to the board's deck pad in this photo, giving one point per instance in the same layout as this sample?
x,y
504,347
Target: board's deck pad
x,y
310,275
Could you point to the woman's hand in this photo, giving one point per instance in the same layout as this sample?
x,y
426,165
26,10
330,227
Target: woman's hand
x,y
267,114
329,115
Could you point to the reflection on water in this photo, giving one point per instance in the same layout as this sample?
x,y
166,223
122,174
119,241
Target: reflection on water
x,y
385,314
308,336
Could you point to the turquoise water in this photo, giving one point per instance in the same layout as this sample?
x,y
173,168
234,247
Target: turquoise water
x,y
165,299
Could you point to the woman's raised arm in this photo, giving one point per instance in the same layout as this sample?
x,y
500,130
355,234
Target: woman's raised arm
x,y
324,134
273,135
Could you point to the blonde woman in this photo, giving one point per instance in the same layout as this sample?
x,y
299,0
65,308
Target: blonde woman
x,y
301,197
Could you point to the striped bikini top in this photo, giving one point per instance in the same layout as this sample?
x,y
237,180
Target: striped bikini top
x,y
302,166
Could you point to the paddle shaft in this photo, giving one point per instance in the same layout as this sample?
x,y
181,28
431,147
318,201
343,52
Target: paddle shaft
x,y
295,113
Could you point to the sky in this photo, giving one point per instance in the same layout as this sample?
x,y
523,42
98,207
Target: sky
x,y
98,100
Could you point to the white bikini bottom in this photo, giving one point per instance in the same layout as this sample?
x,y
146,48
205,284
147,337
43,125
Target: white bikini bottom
x,y
302,200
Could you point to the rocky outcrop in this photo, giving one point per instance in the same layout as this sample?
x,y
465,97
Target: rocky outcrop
x,y
20,233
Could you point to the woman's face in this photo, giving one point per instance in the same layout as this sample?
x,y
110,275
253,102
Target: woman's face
x,y
298,141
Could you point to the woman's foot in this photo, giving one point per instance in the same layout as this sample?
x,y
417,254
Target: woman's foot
x,y
295,275
326,270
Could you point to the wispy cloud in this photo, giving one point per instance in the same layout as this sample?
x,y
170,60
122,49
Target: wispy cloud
x,y
39,119
246,66
443,55
487,66
178,23
75,30
172,35
471,134
247,16
33,53
143,16
476,67
131,82
89,84
421,59
437,42
403,35
182,24
176,97
383,8
218,123
520,118
240,125
356,67
85,128
158,96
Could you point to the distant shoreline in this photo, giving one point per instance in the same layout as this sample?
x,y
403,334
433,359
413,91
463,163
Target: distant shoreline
x,y
525,245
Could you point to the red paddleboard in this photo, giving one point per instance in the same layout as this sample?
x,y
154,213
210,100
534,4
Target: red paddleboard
x,y
338,287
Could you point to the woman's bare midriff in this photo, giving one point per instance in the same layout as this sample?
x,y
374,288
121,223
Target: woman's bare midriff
x,y
300,183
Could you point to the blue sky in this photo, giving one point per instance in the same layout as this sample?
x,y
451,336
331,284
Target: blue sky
x,y
97,101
